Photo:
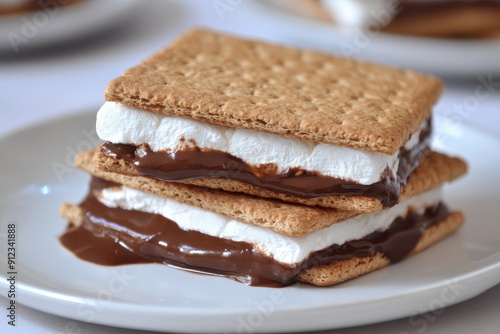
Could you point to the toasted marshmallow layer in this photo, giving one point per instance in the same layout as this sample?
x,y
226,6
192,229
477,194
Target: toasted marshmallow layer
x,y
121,124
285,249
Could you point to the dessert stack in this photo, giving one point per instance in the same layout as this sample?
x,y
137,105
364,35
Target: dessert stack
x,y
266,164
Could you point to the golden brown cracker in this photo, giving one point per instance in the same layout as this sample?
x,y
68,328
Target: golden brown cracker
x,y
344,270
327,275
220,79
71,213
435,169
285,218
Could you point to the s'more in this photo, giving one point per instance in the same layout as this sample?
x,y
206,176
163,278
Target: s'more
x,y
262,163
252,240
463,19
270,121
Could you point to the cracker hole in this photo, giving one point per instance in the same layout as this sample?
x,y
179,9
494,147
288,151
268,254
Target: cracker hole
x,y
299,77
259,121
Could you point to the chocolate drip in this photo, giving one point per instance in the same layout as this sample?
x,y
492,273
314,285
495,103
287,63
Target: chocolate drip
x,y
194,163
114,236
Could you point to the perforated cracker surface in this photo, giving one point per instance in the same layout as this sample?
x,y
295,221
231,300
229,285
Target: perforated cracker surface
x,y
302,94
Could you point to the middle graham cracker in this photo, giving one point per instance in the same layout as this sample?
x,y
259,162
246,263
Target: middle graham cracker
x,y
282,217
434,169
295,93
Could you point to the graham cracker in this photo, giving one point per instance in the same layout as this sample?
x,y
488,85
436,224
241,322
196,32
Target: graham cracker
x,y
435,169
219,79
326,275
71,213
344,270
285,218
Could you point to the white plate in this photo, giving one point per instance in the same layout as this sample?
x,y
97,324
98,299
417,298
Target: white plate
x,y
445,57
155,297
36,29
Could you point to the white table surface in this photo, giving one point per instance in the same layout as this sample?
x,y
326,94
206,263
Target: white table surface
x,y
64,79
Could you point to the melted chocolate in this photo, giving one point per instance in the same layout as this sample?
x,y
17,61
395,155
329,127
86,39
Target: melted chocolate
x,y
113,236
194,163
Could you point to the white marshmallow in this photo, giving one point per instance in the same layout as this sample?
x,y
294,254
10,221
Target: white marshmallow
x,y
121,124
284,249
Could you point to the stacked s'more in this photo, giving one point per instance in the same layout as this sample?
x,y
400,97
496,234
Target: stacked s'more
x,y
266,164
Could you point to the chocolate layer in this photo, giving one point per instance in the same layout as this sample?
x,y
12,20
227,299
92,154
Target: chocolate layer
x,y
113,236
194,163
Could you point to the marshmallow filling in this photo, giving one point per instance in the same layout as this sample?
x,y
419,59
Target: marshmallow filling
x,y
176,149
124,226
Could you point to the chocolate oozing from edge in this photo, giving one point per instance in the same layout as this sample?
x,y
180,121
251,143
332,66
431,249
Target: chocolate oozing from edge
x,y
194,163
114,236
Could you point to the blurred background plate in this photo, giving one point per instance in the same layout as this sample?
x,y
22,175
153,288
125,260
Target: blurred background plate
x,y
444,57
42,28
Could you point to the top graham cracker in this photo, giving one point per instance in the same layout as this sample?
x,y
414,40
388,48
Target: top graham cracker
x,y
301,94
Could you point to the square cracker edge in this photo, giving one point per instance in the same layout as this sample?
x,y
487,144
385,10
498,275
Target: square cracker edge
x,y
302,94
